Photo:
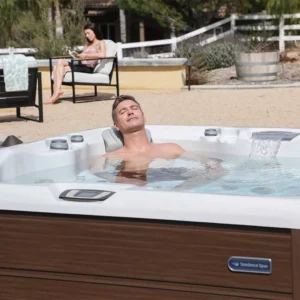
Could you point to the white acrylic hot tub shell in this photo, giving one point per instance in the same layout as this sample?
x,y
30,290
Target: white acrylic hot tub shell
x,y
132,202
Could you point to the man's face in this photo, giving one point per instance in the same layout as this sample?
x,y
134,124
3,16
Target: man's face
x,y
129,117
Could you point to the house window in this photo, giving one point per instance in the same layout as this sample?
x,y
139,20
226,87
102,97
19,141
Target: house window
x,y
108,31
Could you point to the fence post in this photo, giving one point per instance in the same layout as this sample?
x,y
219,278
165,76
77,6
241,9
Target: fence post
x,y
281,34
232,22
174,44
173,38
119,50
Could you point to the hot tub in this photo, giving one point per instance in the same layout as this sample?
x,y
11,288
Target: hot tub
x,y
64,235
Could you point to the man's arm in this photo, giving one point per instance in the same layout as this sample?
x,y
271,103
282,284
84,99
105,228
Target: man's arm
x,y
213,170
209,162
98,164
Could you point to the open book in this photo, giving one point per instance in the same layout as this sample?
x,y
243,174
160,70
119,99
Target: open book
x,y
74,54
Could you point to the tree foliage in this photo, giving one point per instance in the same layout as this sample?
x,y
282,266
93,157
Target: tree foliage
x,y
277,7
12,12
282,6
166,12
181,13
44,37
9,10
41,37
73,20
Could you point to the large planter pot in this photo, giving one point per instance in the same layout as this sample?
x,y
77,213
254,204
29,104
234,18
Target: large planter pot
x,y
257,67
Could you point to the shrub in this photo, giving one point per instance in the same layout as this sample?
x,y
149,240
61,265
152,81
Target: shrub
x,y
219,55
140,54
213,56
193,52
187,49
252,41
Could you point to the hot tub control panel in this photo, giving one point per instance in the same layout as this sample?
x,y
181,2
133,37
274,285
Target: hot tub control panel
x,y
85,195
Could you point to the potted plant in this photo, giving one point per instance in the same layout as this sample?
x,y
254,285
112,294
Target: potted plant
x,y
258,59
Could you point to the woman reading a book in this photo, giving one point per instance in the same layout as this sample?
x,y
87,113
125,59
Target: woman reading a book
x,y
94,48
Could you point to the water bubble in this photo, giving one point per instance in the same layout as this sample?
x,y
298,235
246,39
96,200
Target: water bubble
x,y
262,190
44,181
229,187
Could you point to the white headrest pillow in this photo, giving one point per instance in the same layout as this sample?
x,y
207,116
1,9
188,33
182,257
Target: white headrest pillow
x,y
113,139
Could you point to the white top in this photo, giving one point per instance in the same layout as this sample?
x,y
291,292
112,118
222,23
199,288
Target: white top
x,y
130,201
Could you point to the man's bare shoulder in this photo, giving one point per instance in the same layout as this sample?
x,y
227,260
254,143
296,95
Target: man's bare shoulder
x,y
163,150
169,150
115,154
121,153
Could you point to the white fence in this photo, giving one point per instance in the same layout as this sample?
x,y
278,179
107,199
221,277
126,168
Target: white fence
x,y
281,27
204,37
282,37
174,41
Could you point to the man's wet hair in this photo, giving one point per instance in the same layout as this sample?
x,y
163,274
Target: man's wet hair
x,y
120,99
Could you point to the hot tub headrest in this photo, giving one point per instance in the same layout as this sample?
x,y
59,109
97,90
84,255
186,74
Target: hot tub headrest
x,y
113,139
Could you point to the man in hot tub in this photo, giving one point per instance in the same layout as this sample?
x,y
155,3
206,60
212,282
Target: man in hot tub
x,y
138,155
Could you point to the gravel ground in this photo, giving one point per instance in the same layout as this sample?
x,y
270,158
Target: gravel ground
x,y
274,107
287,73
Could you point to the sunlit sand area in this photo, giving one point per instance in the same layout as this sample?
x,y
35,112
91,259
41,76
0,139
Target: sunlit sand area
x,y
274,107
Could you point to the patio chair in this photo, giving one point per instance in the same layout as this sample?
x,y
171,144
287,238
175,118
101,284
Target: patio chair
x,y
26,98
102,75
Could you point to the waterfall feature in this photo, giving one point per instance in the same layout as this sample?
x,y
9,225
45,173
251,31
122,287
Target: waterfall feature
x,y
265,144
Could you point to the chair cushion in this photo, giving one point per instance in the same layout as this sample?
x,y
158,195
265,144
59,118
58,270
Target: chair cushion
x,y
105,65
87,78
113,139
